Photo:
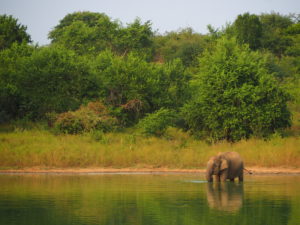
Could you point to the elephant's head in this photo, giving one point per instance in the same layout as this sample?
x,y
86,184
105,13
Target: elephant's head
x,y
215,166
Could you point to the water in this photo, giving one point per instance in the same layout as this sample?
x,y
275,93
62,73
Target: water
x,y
136,199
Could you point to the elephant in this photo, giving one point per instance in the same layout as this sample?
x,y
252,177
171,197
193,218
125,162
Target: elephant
x,y
227,197
225,165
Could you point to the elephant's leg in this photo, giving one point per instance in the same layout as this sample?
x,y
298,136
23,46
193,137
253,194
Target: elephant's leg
x,y
241,178
217,178
224,175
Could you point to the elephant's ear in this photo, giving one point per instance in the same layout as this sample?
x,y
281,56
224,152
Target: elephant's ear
x,y
224,164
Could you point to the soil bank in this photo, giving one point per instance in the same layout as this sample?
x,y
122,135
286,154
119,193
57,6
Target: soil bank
x,y
254,170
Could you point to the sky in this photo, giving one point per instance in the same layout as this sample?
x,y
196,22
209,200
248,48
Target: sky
x,y
41,16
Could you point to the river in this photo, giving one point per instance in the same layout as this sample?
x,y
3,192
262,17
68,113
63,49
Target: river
x,y
158,199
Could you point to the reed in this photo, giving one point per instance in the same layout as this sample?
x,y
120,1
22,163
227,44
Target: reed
x,y
40,148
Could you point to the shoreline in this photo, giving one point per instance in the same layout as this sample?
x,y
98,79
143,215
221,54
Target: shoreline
x,y
254,170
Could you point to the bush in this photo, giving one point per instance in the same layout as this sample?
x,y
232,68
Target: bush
x,y
68,123
157,123
98,108
87,118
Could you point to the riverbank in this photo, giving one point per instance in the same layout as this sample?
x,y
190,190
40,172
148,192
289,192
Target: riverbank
x,y
254,170
21,149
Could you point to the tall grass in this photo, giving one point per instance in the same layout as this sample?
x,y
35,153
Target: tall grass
x,y
40,148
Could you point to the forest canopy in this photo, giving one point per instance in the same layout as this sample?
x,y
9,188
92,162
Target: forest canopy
x,y
230,84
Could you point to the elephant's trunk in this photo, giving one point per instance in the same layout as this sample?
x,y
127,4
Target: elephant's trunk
x,y
209,174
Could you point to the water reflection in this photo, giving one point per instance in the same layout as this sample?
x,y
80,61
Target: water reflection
x,y
226,196
147,199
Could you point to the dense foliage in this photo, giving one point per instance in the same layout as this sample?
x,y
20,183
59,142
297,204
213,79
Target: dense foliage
x,y
94,116
236,95
231,83
157,123
248,30
184,44
11,32
41,80
91,33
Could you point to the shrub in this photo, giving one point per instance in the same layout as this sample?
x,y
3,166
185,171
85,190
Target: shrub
x,y
157,123
68,123
98,108
87,118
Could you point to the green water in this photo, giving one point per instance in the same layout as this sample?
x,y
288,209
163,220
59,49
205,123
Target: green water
x,y
156,199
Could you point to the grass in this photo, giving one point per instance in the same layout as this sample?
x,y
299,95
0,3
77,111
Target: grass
x,y
37,147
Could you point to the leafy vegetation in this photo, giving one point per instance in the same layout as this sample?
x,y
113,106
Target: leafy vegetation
x,y
157,123
248,29
11,31
238,82
91,33
236,95
94,116
184,44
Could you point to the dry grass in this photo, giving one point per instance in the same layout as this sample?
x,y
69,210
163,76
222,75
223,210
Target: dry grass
x,y
40,148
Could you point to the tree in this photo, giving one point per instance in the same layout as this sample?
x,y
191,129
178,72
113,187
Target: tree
x,y
10,92
127,84
47,79
135,87
236,96
91,33
293,32
11,31
275,37
184,44
85,32
54,79
135,37
174,85
248,29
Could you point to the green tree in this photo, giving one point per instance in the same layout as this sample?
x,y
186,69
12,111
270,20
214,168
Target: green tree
x,y
11,31
184,44
91,33
85,32
51,79
236,96
135,37
248,29
293,32
37,80
174,84
127,84
275,37
10,66
135,87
